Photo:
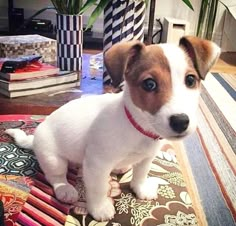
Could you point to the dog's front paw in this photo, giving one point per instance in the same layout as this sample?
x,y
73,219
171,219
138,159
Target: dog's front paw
x,y
103,211
146,190
66,193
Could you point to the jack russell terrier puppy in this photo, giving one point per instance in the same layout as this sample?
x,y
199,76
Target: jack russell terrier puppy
x,y
113,131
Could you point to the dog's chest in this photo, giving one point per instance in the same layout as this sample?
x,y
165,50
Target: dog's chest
x,y
146,150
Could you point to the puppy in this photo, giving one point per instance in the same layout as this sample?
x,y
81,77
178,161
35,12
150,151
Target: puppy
x,y
112,131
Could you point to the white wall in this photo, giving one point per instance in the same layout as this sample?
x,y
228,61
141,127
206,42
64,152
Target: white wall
x,y
178,10
164,8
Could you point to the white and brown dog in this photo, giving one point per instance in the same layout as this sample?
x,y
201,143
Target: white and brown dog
x,y
112,131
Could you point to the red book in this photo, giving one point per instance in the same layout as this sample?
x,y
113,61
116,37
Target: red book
x,y
33,70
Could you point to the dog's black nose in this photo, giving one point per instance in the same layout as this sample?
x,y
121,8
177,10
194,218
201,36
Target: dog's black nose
x,y
179,122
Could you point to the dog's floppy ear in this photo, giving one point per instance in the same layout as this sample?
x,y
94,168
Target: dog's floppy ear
x,y
117,59
203,53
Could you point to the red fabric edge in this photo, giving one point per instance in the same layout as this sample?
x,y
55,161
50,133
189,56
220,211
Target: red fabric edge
x,y
21,117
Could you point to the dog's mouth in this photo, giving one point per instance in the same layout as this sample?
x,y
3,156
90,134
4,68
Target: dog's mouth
x,y
178,136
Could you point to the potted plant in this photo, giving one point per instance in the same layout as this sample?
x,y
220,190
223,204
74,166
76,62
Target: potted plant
x,y
68,7
69,34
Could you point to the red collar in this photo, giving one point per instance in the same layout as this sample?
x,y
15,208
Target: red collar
x,y
139,128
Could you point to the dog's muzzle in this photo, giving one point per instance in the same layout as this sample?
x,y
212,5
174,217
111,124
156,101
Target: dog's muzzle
x,y
179,122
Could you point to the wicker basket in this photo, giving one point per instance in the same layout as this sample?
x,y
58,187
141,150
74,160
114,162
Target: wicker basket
x,y
20,45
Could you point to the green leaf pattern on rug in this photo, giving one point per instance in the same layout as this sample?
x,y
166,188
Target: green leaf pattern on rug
x,y
166,191
138,210
181,219
186,198
174,178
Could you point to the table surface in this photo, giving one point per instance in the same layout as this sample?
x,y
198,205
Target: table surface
x,y
45,103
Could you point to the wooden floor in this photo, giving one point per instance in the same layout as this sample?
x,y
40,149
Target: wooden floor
x,y
226,63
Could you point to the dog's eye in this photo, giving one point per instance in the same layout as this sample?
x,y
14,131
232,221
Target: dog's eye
x,y
190,81
149,85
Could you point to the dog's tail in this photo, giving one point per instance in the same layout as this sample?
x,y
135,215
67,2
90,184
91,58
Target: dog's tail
x,y
21,138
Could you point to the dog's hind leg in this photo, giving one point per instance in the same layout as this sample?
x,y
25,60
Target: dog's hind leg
x,y
55,169
54,165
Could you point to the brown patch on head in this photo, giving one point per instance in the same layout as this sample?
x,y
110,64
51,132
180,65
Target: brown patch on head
x,y
118,58
203,53
149,64
191,72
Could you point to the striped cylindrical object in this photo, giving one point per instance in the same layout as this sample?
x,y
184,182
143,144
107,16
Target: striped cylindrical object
x,y
69,42
123,21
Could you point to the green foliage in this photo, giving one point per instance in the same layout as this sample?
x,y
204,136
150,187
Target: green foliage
x,y
188,3
206,19
101,4
68,7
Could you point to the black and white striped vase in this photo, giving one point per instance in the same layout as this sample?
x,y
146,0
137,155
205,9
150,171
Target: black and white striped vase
x,y
123,21
69,42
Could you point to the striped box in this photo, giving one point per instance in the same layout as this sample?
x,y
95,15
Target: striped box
x,y
123,21
21,45
69,42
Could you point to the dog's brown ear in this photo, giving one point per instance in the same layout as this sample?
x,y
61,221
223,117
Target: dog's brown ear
x,y
117,59
203,53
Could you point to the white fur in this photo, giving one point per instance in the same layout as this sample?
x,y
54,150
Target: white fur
x,y
21,138
183,99
95,132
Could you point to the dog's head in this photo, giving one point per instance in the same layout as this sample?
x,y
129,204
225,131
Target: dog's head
x,y
164,80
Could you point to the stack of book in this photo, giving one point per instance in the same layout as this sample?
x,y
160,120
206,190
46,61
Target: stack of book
x,y
36,78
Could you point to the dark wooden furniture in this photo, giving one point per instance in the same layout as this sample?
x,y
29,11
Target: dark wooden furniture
x,y
44,104
36,104
17,22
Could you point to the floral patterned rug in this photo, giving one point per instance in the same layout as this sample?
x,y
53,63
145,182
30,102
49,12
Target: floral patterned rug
x,y
33,202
